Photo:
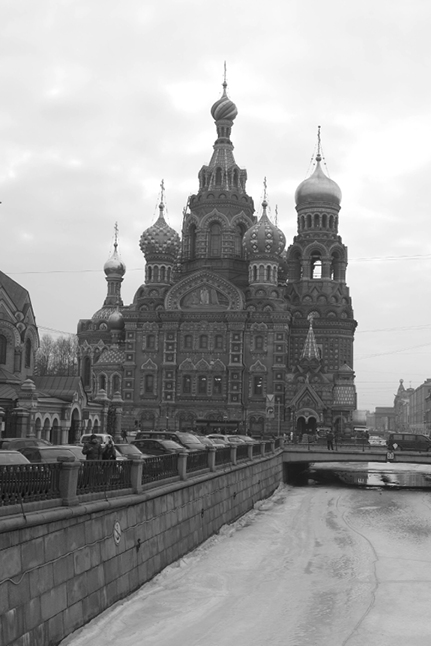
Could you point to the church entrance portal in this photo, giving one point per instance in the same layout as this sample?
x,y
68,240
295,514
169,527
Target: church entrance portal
x,y
306,425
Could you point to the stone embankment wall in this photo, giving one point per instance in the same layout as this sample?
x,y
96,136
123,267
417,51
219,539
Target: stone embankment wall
x,y
61,567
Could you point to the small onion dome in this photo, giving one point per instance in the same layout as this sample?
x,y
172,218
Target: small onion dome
x,y
318,189
114,265
103,314
224,109
264,238
116,320
160,239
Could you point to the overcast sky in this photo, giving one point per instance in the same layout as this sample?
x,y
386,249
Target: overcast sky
x,y
101,99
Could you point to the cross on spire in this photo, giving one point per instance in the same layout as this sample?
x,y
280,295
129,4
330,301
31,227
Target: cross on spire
x,y
115,236
224,78
162,191
319,145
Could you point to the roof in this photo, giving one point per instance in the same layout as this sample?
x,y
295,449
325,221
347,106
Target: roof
x,y
62,387
19,295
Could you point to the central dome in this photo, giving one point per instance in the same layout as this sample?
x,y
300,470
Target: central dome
x,y
224,109
264,239
318,189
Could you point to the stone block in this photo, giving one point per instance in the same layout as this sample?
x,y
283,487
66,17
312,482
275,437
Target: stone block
x,y
131,516
108,549
9,539
33,553
112,569
40,635
4,597
95,579
94,530
134,579
128,561
10,562
91,606
82,560
111,593
64,569
24,640
54,601
73,618
56,545
95,556
76,589
41,580
12,625
129,537
123,585
75,537
19,593
56,629
32,613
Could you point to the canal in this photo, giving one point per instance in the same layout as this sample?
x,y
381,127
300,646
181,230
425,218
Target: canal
x,y
318,565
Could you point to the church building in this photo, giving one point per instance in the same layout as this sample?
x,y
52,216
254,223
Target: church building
x,y
230,331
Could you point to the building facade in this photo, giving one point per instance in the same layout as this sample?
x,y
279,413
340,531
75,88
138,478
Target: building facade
x,y
230,331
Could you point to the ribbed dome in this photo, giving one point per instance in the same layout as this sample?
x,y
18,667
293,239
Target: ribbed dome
x,y
114,265
103,314
160,239
264,238
224,109
116,320
318,189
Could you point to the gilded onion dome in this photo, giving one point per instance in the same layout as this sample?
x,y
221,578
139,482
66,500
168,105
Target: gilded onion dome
x,y
160,240
116,320
318,189
114,265
264,238
224,109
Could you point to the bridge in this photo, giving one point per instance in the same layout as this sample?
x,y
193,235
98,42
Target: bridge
x,y
297,454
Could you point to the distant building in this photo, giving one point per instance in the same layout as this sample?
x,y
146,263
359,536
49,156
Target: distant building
x,y
384,419
229,331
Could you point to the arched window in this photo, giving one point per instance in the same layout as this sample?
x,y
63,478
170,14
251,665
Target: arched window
x,y
324,221
218,176
87,372
202,384
27,358
308,220
116,384
215,240
163,273
149,384
316,220
156,274
150,273
254,273
218,342
102,382
239,234
151,341
258,343
188,341
192,232
316,265
217,385
3,349
203,341
187,384
258,385
268,273
235,178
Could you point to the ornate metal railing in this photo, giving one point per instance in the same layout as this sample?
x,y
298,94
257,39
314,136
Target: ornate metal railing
x,y
29,483
159,467
257,449
197,460
268,447
222,456
242,452
100,475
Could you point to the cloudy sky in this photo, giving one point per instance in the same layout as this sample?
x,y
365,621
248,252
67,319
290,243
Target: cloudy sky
x,y
101,99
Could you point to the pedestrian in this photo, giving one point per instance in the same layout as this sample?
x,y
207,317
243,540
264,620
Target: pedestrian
x,y
330,441
109,452
92,448
124,436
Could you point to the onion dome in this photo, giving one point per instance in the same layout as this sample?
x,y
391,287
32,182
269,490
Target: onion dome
x,y
264,238
116,320
114,265
160,240
224,109
318,189
103,314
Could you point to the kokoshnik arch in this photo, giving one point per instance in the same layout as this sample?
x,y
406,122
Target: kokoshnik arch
x,y
230,330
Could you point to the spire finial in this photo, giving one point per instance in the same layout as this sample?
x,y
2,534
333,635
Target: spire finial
x,y
224,79
162,192
276,215
115,236
264,203
319,144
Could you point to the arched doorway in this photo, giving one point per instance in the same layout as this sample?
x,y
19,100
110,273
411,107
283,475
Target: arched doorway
x,y
306,422
46,432
74,427
38,428
257,426
55,432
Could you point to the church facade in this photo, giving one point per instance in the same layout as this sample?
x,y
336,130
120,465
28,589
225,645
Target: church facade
x,y
230,331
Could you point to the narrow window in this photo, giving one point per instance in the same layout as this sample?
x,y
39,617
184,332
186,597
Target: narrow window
x,y
258,343
87,372
3,348
116,384
192,233
215,240
202,385
217,385
258,385
102,382
218,342
188,341
203,341
151,341
149,384
187,384
28,353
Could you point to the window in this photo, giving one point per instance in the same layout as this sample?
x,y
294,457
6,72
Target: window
x,y
102,382
151,341
149,384
3,348
203,341
116,384
218,342
258,343
258,385
27,353
217,385
202,385
192,242
188,341
187,384
215,240
316,265
87,372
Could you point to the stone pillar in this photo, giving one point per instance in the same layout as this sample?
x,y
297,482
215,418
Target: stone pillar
x,y
262,447
21,416
182,466
136,473
117,402
211,458
64,437
250,451
2,415
233,448
273,446
69,480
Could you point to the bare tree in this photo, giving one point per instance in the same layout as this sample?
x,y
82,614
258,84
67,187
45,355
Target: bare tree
x,y
57,357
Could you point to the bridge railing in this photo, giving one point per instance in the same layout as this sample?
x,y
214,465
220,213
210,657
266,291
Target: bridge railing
x,y
68,480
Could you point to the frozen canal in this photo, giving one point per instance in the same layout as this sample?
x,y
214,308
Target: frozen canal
x,y
312,566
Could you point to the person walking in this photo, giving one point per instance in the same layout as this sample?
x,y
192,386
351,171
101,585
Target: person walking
x,y
109,452
92,449
330,441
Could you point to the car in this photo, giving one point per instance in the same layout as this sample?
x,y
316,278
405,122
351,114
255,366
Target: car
x,y
13,458
126,451
186,439
102,437
218,443
228,439
16,443
408,441
46,454
152,447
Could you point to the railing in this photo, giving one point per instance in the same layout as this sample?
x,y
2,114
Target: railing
x,y
159,467
29,483
69,479
100,475
222,456
242,452
196,461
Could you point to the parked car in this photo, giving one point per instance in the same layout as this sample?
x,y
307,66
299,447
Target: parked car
x,y
218,443
45,454
228,439
152,447
16,443
102,437
13,458
126,451
186,439
408,441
